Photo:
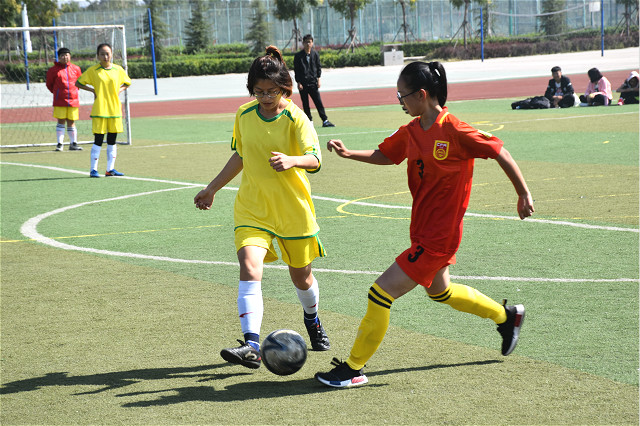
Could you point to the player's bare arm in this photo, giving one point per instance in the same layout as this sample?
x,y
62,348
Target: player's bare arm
x,y
281,162
204,199
371,156
84,87
511,169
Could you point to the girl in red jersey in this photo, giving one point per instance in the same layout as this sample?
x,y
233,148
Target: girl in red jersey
x,y
440,152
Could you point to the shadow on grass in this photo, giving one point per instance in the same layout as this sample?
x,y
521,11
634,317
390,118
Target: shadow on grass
x,y
43,179
249,390
266,389
116,380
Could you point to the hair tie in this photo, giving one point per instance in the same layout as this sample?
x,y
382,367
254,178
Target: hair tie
x,y
435,74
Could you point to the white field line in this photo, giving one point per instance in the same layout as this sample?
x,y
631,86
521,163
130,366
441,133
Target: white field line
x,y
29,230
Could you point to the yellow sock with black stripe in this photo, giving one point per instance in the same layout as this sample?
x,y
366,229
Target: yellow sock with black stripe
x,y
372,328
467,299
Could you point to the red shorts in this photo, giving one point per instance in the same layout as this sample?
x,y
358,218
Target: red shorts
x,y
421,265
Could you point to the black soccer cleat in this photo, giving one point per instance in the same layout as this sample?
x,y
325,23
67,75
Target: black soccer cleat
x,y
318,337
245,355
342,376
510,329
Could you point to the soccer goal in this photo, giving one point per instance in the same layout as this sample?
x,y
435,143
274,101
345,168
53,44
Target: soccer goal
x,y
528,21
26,53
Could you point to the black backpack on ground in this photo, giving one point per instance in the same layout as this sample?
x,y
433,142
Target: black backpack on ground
x,y
537,102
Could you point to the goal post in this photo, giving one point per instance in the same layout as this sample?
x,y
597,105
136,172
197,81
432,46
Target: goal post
x,y
26,105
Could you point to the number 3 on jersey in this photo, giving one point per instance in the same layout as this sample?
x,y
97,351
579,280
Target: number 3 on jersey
x,y
420,165
416,254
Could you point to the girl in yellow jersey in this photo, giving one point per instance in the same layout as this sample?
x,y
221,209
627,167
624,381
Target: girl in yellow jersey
x,y
275,146
106,81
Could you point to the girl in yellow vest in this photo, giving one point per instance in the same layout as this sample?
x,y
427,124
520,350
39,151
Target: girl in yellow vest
x,y
275,146
106,81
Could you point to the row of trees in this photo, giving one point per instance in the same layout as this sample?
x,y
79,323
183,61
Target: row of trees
x,y
198,33
198,30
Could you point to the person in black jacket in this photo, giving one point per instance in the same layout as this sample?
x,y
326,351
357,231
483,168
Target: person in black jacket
x,y
629,89
306,65
560,90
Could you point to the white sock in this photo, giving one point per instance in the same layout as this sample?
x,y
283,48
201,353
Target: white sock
x,y
309,298
250,306
111,156
73,134
95,156
60,133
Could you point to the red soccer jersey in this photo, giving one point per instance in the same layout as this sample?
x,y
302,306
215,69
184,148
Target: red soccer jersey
x,y
439,169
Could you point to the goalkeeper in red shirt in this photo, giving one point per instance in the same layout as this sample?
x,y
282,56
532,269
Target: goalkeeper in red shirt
x,y
440,152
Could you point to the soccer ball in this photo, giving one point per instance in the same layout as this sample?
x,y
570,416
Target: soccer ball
x,y
283,352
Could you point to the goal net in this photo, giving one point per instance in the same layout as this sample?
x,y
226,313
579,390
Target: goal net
x,y
529,21
26,114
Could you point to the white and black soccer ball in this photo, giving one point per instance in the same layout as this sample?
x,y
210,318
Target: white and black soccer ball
x,y
283,352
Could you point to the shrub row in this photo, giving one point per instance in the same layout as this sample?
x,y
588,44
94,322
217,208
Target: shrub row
x,y
236,58
501,48
144,69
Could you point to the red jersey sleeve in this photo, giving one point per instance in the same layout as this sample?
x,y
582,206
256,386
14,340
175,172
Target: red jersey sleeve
x,y
476,143
395,147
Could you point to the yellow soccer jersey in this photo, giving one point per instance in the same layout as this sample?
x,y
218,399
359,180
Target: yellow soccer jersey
x,y
106,83
278,202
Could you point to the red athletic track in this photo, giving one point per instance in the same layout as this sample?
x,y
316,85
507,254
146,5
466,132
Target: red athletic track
x,y
515,88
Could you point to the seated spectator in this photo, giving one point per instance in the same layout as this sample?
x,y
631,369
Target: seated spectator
x,y
560,90
629,89
598,90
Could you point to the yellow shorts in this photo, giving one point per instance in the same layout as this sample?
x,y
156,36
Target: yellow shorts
x,y
296,253
66,113
106,125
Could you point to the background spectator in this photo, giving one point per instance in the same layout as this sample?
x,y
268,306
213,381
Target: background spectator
x,y
560,90
598,90
629,89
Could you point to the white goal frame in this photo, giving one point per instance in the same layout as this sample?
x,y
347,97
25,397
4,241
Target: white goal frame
x,y
127,113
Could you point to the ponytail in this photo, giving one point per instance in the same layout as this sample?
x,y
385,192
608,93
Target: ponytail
x,y
272,67
428,76
274,52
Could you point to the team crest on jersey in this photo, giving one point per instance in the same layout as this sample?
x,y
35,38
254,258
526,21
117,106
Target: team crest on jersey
x,y
441,150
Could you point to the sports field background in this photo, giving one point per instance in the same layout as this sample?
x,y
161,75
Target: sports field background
x,y
117,313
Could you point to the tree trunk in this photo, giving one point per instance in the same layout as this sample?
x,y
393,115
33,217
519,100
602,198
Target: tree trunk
x,y
352,32
404,20
465,23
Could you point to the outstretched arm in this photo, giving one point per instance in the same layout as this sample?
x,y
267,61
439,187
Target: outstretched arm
x,y
371,156
511,169
204,199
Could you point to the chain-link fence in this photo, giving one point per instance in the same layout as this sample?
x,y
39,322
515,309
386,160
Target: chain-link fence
x,y
380,20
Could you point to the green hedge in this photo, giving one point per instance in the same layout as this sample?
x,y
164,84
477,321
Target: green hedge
x,y
236,58
521,46
186,65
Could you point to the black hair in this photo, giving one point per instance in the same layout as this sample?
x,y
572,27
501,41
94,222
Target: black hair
x,y
556,68
428,76
307,37
272,67
594,75
63,50
101,45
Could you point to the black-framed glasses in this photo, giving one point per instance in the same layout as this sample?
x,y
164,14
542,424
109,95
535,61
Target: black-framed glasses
x,y
401,97
269,94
